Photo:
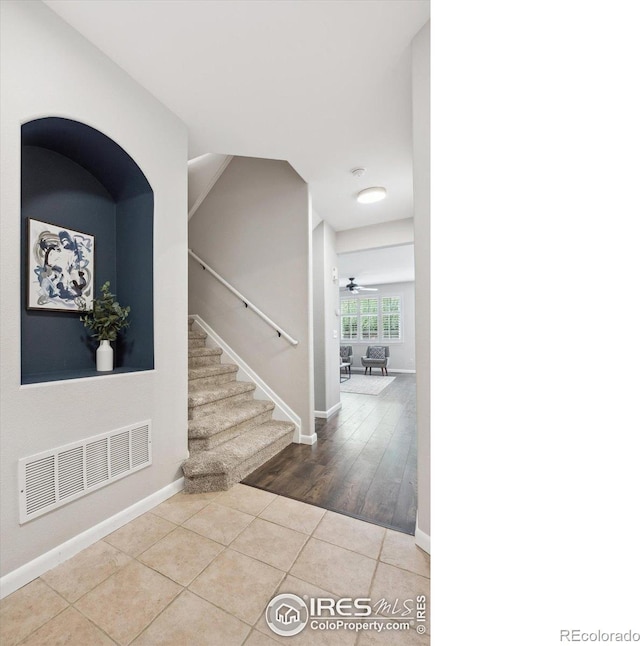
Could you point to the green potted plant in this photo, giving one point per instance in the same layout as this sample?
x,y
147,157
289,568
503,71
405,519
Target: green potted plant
x,y
106,318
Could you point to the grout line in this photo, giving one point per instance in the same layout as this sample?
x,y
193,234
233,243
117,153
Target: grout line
x,y
72,603
92,622
215,605
102,630
69,605
348,549
156,616
306,537
120,569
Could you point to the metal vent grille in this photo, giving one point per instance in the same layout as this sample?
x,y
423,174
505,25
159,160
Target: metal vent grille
x,y
40,490
139,445
53,478
70,470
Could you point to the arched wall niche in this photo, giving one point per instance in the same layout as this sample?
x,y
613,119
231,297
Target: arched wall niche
x,y
74,176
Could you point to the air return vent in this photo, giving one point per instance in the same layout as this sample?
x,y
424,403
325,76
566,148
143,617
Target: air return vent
x,y
53,478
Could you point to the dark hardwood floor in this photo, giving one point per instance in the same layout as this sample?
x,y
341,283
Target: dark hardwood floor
x,y
364,463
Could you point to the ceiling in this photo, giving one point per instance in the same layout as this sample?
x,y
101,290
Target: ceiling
x,y
377,266
324,85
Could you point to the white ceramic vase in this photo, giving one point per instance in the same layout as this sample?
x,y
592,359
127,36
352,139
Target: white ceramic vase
x,y
104,357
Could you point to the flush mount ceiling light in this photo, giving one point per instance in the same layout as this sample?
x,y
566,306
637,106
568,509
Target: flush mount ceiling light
x,y
372,194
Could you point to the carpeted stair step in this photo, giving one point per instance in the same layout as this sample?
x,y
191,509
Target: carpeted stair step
x,y
204,357
220,468
209,400
229,421
196,340
212,375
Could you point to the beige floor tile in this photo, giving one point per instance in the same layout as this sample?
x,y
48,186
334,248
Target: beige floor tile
x,y
333,568
208,496
392,584
308,636
220,524
350,533
247,499
192,621
182,506
181,555
294,585
238,584
26,610
259,639
270,543
293,514
401,550
140,534
86,570
127,602
408,637
69,628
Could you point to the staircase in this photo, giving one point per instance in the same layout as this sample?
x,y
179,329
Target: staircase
x,y
231,434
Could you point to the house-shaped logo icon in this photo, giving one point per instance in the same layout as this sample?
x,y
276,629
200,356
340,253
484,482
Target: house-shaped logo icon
x,y
287,614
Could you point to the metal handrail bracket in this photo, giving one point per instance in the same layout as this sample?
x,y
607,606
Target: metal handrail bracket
x,y
247,303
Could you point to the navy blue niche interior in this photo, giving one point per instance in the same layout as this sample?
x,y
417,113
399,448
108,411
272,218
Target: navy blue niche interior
x,y
74,176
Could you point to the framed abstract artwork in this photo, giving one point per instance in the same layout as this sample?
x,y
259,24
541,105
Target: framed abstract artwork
x,y
60,268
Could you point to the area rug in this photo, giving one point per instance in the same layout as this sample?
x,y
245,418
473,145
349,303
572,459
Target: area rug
x,y
365,384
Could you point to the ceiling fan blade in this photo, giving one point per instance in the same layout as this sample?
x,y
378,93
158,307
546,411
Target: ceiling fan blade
x,y
368,289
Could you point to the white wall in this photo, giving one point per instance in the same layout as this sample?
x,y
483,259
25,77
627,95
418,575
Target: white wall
x,y
422,214
319,368
402,354
48,69
326,325
253,228
386,234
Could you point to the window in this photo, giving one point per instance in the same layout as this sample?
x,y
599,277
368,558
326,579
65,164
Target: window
x,y
349,320
390,318
367,318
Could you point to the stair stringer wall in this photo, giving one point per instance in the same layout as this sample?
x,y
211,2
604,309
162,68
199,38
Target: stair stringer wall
x,y
282,411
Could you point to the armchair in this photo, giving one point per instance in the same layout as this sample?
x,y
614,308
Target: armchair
x,y
346,356
377,357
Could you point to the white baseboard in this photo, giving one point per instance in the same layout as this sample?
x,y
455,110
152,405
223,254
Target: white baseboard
x,y
282,411
326,414
423,541
308,439
32,570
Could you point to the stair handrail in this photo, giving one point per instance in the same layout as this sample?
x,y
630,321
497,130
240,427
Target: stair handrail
x,y
247,303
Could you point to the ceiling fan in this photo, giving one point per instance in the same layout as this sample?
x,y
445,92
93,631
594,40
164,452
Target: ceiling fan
x,y
354,288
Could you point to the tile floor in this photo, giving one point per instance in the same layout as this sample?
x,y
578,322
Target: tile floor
x,y
201,569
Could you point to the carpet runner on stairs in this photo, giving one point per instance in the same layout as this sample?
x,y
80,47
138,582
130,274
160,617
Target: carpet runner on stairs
x,y
231,434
